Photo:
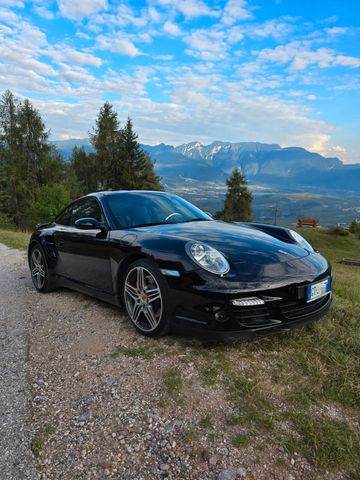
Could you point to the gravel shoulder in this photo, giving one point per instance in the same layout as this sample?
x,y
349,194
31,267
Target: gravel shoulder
x,y
16,459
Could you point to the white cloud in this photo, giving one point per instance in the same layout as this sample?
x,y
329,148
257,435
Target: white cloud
x,y
301,57
63,53
172,29
12,3
164,57
8,16
234,11
154,15
44,12
190,8
195,8
336,30
76,10
207,44
117,44
126,16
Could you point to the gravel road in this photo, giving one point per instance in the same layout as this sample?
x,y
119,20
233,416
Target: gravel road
x,y
16,459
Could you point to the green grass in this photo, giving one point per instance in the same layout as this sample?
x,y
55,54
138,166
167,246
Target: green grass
x,y
14,239
39,441
327,443
145,351
172,386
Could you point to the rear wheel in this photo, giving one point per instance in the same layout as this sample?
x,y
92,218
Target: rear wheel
x,y
39,270
145,296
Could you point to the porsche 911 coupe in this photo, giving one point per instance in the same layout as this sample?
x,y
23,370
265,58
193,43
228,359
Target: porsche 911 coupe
x,y
174,268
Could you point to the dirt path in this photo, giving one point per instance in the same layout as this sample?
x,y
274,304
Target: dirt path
x,y
16,459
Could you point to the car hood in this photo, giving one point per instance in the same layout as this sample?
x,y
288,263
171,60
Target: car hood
x,y
238,243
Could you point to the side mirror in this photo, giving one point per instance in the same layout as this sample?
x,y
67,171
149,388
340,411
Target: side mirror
x,y
89,224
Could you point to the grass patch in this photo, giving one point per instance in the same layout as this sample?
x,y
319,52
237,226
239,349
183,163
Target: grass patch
x,y
137,352
327,443
240,440
172,386
14,239
207,421
38,442
254,409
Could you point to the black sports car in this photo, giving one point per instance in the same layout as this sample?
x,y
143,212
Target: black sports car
x,y
173,267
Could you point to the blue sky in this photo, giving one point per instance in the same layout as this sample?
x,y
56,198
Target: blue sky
x,y
275,71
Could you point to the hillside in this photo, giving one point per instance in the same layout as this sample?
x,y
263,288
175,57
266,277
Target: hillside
x,y
291,168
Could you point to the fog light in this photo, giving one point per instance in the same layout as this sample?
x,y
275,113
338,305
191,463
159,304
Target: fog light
x,y
247,302
221,316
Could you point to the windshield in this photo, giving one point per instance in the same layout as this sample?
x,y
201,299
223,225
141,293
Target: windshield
x,y
140,209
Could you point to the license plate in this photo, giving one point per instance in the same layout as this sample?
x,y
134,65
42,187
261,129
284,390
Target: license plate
x,y
318,290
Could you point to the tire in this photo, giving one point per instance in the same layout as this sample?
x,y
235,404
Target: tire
x,y
146,298
39,270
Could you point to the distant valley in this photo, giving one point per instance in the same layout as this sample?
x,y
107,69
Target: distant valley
x,y
277,176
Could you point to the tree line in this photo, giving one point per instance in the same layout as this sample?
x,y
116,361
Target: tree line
x,y
36,181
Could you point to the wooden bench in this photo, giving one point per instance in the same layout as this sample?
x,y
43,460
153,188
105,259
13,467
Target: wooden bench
x,y
308,222
351,261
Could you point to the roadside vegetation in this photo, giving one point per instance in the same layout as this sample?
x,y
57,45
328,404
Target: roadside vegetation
x,y
14,239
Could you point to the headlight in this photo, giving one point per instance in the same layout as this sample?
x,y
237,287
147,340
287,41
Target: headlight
x,y
207,257
301,241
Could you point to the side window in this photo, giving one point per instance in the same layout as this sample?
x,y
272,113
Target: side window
x,y
86,208
64,217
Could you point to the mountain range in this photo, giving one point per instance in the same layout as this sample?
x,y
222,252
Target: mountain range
x,y
289,168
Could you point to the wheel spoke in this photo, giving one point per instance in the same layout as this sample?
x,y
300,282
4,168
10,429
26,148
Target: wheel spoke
x,y
137,309
34,259
38,280
140,278
150,317
154,295
131,291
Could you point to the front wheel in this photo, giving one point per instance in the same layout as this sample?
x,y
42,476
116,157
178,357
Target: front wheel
x,y
145,296
39,270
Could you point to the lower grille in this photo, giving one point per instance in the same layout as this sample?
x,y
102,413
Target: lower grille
x,y
294,310
276,313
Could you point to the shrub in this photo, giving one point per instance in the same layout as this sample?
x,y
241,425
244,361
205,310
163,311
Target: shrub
x,y
337,230
5,221
355,227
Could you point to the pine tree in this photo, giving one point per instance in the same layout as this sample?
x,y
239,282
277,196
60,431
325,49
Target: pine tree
x,y
27,160
238,200
105,140
138,173
84,167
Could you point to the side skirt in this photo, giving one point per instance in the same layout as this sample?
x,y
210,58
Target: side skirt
x,y
88,290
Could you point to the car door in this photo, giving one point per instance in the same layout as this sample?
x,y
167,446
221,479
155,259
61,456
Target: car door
x,y
84,254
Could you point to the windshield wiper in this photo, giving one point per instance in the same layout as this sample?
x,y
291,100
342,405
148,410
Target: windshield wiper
x,y
196,220
148,224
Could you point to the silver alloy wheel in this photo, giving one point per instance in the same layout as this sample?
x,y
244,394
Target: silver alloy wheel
x,y
37,268
143,299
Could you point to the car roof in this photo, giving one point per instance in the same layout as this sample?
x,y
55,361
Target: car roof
x,y
105,193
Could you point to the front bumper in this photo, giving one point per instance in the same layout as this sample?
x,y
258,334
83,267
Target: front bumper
x,y
211,315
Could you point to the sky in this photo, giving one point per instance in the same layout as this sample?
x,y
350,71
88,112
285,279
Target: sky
x,y
273,71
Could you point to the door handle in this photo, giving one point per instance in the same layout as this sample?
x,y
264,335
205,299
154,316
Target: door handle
x,y
60,241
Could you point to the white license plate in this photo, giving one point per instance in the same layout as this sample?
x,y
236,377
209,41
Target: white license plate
x,y
318,290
